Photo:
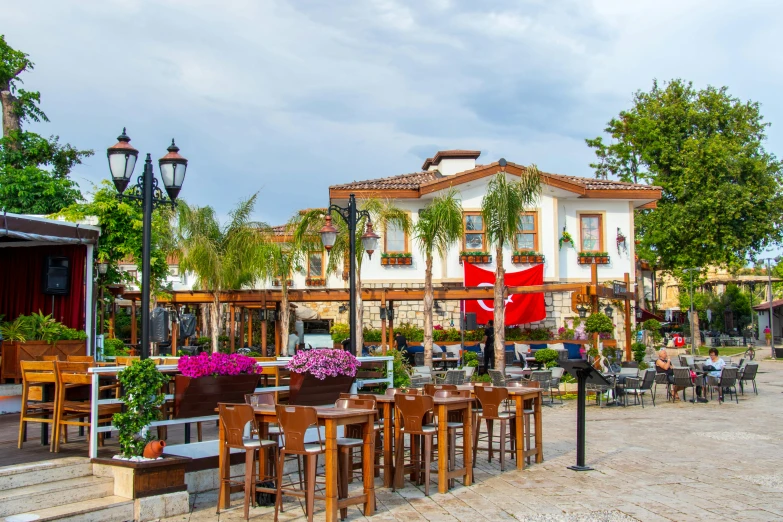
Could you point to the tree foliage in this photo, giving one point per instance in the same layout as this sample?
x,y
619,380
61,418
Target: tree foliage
x,y
33,170
721,190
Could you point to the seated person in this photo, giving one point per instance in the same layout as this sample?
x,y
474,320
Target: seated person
x,y
664,365
714,365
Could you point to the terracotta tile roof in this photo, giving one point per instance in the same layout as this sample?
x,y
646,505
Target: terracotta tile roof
x,y
410,181
603,184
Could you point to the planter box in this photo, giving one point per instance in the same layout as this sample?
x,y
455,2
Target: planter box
x,y
66,348
778,353
198,397
478,260
145,479
306,390
593,260
392,261
15,351
527,259
315,281
277,282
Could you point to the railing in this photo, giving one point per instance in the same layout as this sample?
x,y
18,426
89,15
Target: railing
x,y
96,401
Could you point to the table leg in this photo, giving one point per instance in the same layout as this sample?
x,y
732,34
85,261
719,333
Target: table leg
x,y
443,451
368,466
44,425
331,463
539,429
224,493
520,435
388,436
467,444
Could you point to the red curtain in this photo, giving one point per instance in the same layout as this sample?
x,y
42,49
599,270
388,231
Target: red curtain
x,y
21,280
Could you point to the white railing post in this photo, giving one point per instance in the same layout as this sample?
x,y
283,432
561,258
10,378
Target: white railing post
x,y
94,391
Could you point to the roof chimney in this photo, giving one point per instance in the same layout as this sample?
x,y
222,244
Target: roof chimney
x,y
452,161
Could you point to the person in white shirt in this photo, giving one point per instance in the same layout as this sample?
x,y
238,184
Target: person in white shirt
x,y
715,365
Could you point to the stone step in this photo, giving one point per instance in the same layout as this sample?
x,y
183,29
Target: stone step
x,y
105,509
51,494
21,475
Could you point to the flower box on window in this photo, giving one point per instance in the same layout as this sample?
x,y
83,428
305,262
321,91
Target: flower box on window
x,y
593,258
396,259
315,281
477,257
527,256
278,282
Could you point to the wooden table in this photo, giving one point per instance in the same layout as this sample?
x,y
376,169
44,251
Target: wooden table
x,y
443,405
520,395
329,418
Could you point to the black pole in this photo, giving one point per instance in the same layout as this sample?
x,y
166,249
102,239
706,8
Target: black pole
x,y
145,258
352,271
581,378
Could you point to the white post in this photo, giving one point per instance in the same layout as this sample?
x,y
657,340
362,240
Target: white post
x,y
94,416
89,316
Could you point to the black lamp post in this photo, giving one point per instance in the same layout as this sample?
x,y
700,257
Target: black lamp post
x,y
351,216
103,267
147,194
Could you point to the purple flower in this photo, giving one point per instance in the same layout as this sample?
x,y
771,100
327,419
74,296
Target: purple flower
x,y
216,364
323,363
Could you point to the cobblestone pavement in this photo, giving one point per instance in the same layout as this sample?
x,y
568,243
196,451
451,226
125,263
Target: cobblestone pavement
x,y
676,462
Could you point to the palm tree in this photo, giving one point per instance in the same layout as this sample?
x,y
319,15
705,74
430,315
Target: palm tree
x,y
501,208
281,257
382,213
222,257
438,228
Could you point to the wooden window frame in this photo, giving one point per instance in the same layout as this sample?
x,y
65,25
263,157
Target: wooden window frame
x,y
601,234
536,231
323,264
406,246
465,231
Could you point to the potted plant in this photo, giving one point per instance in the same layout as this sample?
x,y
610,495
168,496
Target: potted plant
x,y
137,476
384,258
469,363
319,376
547,357
622,242
408,258
340,332
207,379
599,323
565,239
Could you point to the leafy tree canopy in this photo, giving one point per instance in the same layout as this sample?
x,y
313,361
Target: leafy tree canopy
x,y
33,170
722,200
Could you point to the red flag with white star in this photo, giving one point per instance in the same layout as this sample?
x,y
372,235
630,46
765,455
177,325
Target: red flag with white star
x,y
520,308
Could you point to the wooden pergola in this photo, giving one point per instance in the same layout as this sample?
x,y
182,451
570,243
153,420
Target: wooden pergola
x,y
270,299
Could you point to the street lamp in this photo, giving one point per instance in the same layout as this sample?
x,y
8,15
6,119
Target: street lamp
x,y
582,309
609,311
147,194
351,216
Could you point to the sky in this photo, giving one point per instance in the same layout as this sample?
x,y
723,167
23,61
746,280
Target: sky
x,y
286,98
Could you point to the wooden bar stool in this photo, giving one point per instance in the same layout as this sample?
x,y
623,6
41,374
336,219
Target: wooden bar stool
x,y
36,373
347,444
491,400
454,423
411,412
235,418
527,411
356,433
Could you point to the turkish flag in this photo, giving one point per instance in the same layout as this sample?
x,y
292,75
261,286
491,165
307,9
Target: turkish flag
x,y
520,308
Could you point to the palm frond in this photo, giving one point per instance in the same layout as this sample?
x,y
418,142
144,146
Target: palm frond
x,y
440,224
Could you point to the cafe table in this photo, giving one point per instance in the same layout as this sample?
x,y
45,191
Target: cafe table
x,y
329,418
443,405
520,395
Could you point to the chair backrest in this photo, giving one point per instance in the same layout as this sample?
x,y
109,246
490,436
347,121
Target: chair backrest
x,y
429,389
498,378
683,360
455,377
749,373
73,372
412,391
261,398
126,360
682,377
170,361
509,355
491,398
357,396
355,404
411,410
557,373
418,359
50,357
234,418
648,379
629,364
542,376
37,371
661,378
81,358
464,394
728,376
294,422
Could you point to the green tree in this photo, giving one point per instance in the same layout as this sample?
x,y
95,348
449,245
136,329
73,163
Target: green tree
x,y
438,228
721,190
222,257
501,209
33,170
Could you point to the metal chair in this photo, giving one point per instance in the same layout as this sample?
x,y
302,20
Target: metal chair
x,y
554,384
498,378
454,377
726,383
748,373
682,380
491,399
663,379
638,387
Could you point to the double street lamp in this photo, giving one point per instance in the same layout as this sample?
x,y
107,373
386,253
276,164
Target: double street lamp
x,y
147,194
351,215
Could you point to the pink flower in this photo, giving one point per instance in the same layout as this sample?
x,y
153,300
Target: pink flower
x,y
323,363
215,364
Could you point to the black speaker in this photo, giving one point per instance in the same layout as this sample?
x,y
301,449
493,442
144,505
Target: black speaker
x,y
56,276
470,321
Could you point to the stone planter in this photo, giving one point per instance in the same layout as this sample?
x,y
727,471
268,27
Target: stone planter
x,y
199,396
144,479
306,390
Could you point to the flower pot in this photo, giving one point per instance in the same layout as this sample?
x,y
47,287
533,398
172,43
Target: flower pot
x,y
407,261
471,259
146,478
305,390
539,259
199,396
154,449
469,371
384,261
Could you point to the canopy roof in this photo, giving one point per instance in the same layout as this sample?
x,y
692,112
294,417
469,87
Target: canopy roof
x,y
21,230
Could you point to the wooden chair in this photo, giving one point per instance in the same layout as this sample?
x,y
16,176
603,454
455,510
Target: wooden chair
x,y
126,360
234,418
35,373
347,444
412,411
527,411
73,413
491,400
454,423
81,358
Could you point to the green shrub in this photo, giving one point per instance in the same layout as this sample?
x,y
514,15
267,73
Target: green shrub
x,y
411,332
470,359
141,393
639,351
114,347
372,335
402,378
548,357
340,332
599,322
480,378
